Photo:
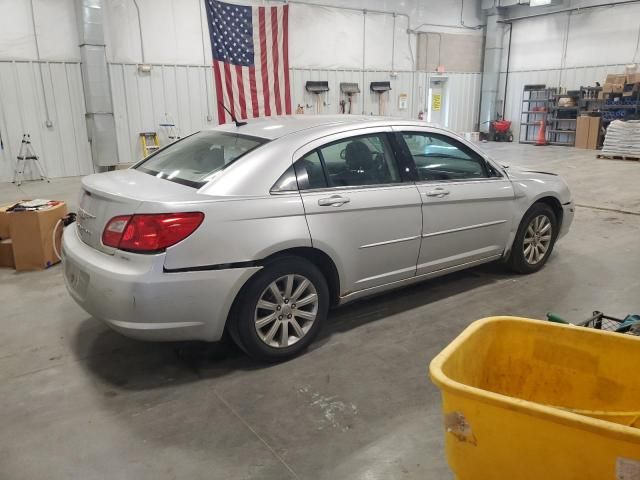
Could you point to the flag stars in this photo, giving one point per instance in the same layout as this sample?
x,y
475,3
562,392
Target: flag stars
x,y
231,33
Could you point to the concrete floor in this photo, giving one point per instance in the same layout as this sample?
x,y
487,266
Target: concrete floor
x,y
80,401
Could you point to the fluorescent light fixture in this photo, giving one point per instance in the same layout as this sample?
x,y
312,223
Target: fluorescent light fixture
x,y
539,3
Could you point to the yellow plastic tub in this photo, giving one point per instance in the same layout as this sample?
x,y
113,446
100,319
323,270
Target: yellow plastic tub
x,y
525,399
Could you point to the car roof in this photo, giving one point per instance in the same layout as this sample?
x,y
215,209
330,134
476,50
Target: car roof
x,y
276,127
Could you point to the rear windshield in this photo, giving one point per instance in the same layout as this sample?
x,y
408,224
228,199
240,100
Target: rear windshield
x,y
195,160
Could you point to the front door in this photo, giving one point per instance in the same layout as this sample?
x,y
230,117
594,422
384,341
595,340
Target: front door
x,y
467,204
360,209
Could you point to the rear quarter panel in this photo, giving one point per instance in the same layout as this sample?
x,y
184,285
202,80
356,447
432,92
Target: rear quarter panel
x,y
239,230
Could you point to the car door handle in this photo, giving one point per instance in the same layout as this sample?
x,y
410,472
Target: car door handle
x,y
437,192
333,201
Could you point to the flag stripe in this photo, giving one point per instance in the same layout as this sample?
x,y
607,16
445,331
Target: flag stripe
x,y
250,59
274,53
285,58
257,48
219,94
281,71
246,91
254,92
229,100
263,61
269,55
241,93
235,93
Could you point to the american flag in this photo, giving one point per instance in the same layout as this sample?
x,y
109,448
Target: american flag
x,y
250,59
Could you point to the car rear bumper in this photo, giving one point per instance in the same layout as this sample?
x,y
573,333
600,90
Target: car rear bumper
x,y
135,296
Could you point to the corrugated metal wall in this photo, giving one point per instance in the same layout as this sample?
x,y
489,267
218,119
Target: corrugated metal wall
x,y
463,101
569,78
63,148
141,100
403,83
463,94
185,93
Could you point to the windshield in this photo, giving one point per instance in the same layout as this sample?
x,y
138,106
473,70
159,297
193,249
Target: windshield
x,y
195,160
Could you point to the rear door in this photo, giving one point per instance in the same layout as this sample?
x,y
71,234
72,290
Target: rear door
x,y
467,204
361,207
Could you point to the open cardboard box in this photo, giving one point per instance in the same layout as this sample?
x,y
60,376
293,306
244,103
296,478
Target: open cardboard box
x,y
6,254
31,237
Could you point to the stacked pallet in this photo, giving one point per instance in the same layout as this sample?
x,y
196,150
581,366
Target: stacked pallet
x,y
622,140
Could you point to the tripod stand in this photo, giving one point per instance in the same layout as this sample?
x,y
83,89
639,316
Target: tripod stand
x,y
26,154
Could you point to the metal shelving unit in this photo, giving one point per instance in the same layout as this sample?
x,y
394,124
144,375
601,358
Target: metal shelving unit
x,y
535,107
562,123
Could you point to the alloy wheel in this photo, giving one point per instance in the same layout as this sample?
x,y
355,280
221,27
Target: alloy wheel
x,y
537,239
286,310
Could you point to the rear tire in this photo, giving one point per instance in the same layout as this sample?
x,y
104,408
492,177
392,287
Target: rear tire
x,y
534,240
268,323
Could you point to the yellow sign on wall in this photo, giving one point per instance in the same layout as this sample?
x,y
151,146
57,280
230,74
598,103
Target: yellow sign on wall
x,y
436,102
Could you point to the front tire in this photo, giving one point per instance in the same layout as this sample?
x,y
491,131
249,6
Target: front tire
x,y
281,310
534,240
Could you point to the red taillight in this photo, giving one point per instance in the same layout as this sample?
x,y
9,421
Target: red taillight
x,y
150,232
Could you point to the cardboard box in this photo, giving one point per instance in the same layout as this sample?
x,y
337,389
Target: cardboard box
x,y
616,78
32,236
602,95
613,87
633,78
4,220
582,131
6,253
587,132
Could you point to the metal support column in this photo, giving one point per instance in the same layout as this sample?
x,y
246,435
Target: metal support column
x,y
101,126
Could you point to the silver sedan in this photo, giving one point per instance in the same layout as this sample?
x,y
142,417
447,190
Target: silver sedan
x,y
260,229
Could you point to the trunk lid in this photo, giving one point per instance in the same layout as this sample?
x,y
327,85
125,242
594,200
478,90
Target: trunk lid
x,y
121,192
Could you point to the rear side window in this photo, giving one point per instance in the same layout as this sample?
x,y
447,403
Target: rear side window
x,y
196,159
355,161
310,172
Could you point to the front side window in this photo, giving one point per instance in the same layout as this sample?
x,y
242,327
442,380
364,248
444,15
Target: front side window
x,y
196,159
438,157
358,161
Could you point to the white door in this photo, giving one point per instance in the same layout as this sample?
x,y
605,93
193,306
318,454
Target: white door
x,y
360,209
437,101
467,204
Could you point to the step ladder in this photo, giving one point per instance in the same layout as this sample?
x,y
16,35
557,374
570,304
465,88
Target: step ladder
x,y
169,128
26,154
149,142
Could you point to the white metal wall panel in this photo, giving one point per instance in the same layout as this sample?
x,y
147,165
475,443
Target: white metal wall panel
x,y
463,102
182,92
55,25
64,147
141,101
365,102
603,35
537,43
582,38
